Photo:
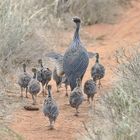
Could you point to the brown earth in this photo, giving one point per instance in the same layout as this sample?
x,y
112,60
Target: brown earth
x,y
102,38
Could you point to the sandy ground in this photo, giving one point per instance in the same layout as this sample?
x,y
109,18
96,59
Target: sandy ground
x,y
102,38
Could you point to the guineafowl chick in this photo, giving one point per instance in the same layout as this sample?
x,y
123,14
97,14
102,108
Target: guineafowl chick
x,y
23,80
57,79
50,108
97,71
44,75
66,82
34,86
76,96
90,90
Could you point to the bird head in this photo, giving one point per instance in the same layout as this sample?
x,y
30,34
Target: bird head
x,y
76,19
40,61
24,65
34,70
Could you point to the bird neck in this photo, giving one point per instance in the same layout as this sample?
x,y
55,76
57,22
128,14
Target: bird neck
x,y
97,60
41,65
49,93
24,68
34,77
76,34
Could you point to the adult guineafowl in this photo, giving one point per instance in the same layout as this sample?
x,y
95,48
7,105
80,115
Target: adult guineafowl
x,y
34,86
97,71
57,79
23,80
76,96
76,58
50,108
90,90
43,75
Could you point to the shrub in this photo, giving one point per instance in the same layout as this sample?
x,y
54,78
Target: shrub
x,y
120,107
91,11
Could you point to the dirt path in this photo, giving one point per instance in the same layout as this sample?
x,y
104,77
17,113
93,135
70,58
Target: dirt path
x,y
32,125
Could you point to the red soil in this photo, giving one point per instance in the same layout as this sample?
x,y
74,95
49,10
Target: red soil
x,y
32,125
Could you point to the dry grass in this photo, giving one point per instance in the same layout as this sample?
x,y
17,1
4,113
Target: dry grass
x,y
34,27
26,31
91,11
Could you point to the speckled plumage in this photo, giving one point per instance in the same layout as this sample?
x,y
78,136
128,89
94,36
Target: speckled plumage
x,y
76,58
50,108
98,70
23,80
34,86
90,89
76,96
44,75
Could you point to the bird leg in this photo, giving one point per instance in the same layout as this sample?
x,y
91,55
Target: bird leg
x,y
100,85
76,114
45,89
34,99
88,100
60,85
26,92
51,125
21,93
57,89
66,90
93,102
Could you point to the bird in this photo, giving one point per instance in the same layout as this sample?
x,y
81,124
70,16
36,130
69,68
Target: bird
x,y
76,96
76,58
90,90
57,79
34,86
97,71
50,108
57,59
65,81
43,75
23,80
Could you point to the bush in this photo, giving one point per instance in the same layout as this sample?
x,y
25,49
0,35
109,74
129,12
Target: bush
x,y
91,11
120,108
23,26
124,99
29,28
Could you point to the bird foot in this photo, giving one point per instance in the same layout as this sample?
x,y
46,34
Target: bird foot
x,y
51,127
66,95
67,104
100,86
85,99
76,114
33,103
